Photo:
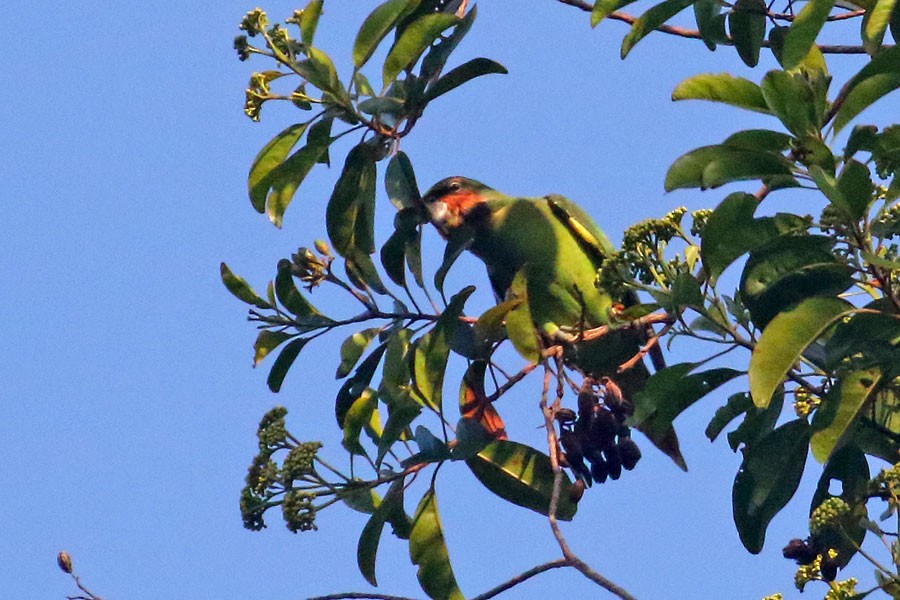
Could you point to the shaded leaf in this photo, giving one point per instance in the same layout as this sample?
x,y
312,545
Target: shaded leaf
x,y
839,410
461,74
389,509
440,51
712,166
489,327
879,77
747,24
361,498
309,20
400,182
376,26
354,387
850,467
288,176
757,423
722,87
308,316
784,340
418,36
523,476
383,105
792,99
767,480
239,287
458,243
428,550
735,406
266,341
519,324
283,363
731,231
710,22
346,216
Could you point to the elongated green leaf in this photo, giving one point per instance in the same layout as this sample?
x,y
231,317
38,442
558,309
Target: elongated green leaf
x,y
288,176
791,99
879,77
294,301
747,24
522,475
238,286
767,480
875,23
871,336
400,182
458,243
353,348
354,387
722,87
309,21
758,140
650,20
803,31
710,22
376,26
283,363
389,510
266,341
319,70
259,181
440,51
736,405
839,409
785,338
461,74
732,231
414,40
382,106
354,189
428,550
358,415
788,269
519,324
604,8
489,327
403,411
712,166
757,423
434,349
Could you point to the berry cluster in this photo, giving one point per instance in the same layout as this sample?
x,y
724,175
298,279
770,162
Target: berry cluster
x,y
597,433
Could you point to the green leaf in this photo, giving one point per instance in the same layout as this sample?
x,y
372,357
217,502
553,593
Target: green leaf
x,y
747,24
403,411
788,269
870,336
731,231
471,438
309,20
523,476
879,77
433,351
803,31
383,105
354,387
320,135
352,349
760,140
850,467
757,423
428,550
440,51
791,98
389,510
413,41
259,181
874,24
351,204
288,176
357,416
361,498
735,406
852,192
710,22
291,298
266,341
489,326
400,182
376,26
767,480
238,286
319,70
785,338
839,410
461,74
722,87
519,324
458,243
604,8
283,363
712,166
650,20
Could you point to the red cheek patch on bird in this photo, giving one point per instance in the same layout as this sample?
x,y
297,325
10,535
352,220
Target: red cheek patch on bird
x,y
460,203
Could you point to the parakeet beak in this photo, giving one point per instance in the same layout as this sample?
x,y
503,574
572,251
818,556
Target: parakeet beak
x,y
440,215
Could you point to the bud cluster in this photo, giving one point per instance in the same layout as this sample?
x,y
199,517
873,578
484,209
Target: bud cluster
x,y
828,515
597,433
310,268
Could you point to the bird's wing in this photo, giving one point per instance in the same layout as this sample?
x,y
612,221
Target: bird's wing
x,y
580,224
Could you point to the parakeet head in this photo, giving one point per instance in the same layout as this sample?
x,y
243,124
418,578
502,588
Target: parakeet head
x,y
454,201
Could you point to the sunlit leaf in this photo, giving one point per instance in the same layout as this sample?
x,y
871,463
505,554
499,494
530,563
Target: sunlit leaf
x,y
319,70
519,324
360,498
461,74
650,20
522,475
747,24
767,480
259,181
266,341
803,31
879,77
839,409
428,550
376,26
722,87
489,327
283,363
359,413
288,176
309,20
712,166
352,349
785,338
604,8
875,23
413,41
238,286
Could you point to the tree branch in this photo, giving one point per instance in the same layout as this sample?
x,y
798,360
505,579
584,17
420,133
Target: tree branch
x,y
694,34
553,564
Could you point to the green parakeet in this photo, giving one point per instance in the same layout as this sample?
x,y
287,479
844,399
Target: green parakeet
x,y
550,247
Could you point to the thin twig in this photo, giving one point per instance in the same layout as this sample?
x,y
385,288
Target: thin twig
x,y
553,564
512,381
359,596
695,34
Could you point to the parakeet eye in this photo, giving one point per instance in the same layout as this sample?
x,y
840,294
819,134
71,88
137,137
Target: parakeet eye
x,y
455,186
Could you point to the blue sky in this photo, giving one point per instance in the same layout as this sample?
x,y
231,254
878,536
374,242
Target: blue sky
x,y
129,406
